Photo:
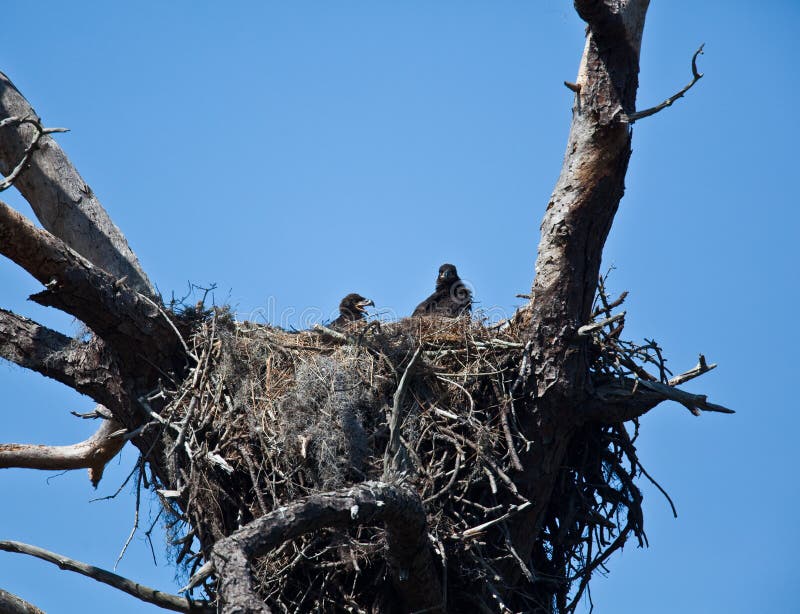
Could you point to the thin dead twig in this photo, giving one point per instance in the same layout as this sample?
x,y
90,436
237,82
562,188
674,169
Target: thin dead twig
x,y
696,76
30,149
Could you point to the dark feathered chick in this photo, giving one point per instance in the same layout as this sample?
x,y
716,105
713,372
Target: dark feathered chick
x,y
451,297
351,309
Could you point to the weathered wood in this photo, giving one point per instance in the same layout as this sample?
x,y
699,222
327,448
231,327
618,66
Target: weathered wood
x,y
11,604
145,593
128,321
62,200
85,367
92,453
408,551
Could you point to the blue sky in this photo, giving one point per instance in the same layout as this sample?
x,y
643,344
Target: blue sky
x,y
294,152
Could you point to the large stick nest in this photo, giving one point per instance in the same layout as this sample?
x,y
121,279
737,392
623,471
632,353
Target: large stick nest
x,y
267,417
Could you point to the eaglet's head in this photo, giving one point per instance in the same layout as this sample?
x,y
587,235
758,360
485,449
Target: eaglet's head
x,y
447,276
354,305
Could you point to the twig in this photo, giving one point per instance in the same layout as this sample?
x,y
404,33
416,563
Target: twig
x,y
588,329
702,367
145,593
487,460
149,533
472,532
32,146
197,381
330,333
460,387
696,76
135,519
186,349
512,451
450,482
393,446
202,574
121,486
524,369
251,467
657,485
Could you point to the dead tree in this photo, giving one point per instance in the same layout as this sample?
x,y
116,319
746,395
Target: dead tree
x,y
423,465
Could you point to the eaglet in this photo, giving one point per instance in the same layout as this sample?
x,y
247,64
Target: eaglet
x,y
351,309
451,297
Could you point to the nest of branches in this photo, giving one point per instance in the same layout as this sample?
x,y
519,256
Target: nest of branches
x,y
267,417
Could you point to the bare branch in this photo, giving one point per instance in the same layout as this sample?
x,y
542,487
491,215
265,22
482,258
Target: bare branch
x,y
367,504
624,400
702,367
695,403
574,229
145,593
121,316
588,329
11,604
587,194
61,199
696,76
93,453
86,367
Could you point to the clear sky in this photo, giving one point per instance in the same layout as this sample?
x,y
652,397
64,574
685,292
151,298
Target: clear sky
x,y
294,152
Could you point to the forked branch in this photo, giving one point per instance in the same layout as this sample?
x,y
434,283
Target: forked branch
x,y
39,132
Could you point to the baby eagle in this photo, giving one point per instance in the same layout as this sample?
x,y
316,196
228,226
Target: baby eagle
x,y
351,309
451,298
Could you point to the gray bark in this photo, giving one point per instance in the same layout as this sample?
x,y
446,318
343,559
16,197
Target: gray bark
x,y
128,321
140,591
85,367
409,553
11,604
63,202
92,453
